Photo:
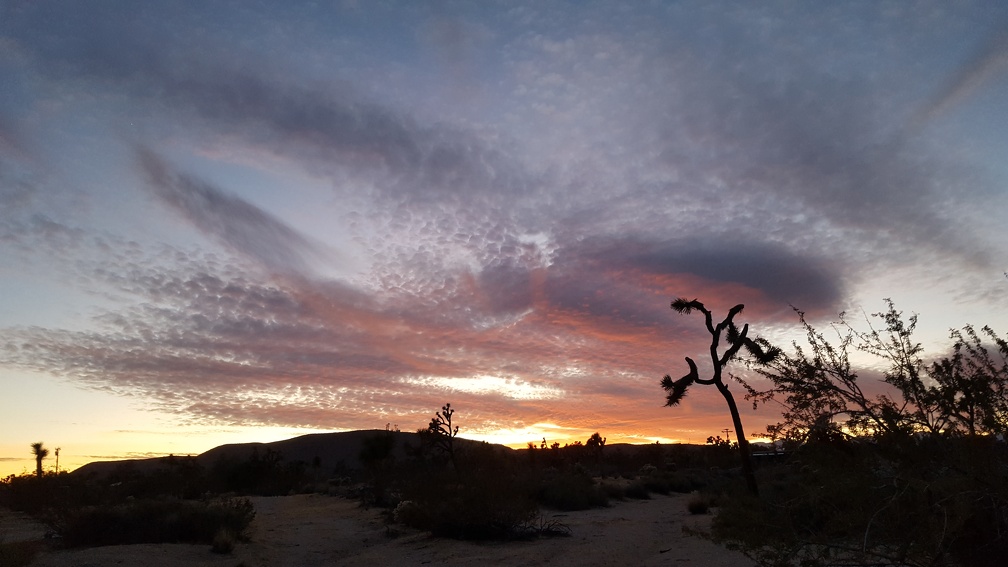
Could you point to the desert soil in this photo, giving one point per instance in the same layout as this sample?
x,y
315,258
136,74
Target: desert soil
x,y
313,530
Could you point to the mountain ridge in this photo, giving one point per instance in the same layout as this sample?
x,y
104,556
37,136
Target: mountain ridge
x,y
334,450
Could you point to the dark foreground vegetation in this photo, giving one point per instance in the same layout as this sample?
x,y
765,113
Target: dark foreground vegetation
x,y
429,480
472,490
836,501
83,512
829,500
906,467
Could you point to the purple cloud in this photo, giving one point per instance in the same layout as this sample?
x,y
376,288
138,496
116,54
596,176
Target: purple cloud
x,y
240,225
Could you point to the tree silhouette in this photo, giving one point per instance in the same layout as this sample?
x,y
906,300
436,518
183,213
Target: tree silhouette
x,y
442,434
596,441
971,386
595,444
819,384
40,453
758,348
965,393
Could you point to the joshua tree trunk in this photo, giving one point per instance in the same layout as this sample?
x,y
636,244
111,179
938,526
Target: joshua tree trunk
x,y
740,437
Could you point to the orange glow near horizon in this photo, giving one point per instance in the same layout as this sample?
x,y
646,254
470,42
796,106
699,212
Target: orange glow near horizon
x,y
183,440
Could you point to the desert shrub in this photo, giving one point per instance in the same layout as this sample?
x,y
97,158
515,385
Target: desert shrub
x,y
569,491
27,493
638,490
481,508
546,526
176,477
261,473
657,484
235,514
698,504
156,521
409,513
613,491
654,481
42,497
483,494
685,482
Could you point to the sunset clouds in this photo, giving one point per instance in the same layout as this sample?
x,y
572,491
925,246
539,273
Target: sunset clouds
x,y
337,217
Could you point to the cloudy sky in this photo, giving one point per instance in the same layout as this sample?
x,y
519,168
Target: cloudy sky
x,y
224,221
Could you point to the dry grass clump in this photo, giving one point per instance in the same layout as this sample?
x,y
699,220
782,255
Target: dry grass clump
x,y
224,541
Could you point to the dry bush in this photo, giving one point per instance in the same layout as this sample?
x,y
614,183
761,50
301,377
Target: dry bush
x,y
638,490
483,508
156,521
570,491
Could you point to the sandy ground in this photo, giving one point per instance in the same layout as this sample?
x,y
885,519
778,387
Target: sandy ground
x,y
313,530
15,526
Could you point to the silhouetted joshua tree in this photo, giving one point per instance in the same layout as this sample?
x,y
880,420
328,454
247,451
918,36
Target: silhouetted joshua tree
x,y
40,453
595,444
759,348
596,441
442,433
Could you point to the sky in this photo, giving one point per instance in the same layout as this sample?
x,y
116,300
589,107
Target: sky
x,y
244,221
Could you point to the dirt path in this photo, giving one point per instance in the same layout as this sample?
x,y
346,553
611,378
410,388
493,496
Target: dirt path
x,y
315,530
312,530
15,526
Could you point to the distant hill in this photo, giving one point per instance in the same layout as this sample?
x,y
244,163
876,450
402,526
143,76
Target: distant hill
x,y
340,452
333,450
